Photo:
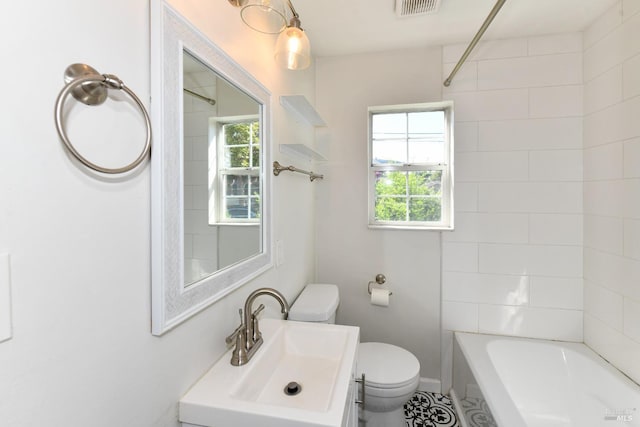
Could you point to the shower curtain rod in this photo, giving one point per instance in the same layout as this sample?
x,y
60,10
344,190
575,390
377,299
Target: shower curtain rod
x,y
475,40
197,95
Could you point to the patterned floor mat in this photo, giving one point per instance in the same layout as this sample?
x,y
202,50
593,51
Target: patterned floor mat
x,y
426,409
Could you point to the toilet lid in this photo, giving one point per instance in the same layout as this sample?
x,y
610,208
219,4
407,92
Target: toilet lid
x,y
386,365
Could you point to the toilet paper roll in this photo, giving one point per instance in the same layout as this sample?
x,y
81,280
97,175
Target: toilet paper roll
x,y
380,296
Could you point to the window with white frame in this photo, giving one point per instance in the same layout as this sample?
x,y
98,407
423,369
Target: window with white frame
x,y
411,166
238,171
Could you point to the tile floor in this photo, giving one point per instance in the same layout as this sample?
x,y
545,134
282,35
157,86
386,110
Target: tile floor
x,y
430,410
477,412
436,410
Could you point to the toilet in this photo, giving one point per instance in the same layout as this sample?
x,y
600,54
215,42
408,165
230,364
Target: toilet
x,y
392,374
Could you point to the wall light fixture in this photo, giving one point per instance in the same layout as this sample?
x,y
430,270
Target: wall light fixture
x,y
292,50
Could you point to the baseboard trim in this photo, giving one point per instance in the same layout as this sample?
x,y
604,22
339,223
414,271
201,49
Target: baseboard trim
x,y
431,385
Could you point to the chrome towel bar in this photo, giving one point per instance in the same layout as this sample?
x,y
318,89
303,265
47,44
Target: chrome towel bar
x,y
90,87
277,168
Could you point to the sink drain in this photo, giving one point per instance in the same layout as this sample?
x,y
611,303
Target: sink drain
x,y
292,388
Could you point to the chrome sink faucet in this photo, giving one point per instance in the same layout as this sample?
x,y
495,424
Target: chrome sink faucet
x,y
247,336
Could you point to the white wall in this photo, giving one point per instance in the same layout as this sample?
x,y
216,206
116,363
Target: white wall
x,y
612,186
82,353
348,253
514,263
548,144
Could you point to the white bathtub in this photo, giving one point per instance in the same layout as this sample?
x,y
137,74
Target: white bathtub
x,y
537,383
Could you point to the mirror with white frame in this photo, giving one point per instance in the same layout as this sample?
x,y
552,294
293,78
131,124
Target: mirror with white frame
x,y
210,191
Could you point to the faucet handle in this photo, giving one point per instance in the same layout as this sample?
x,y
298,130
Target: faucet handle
x,y
257,335
235,333
258,310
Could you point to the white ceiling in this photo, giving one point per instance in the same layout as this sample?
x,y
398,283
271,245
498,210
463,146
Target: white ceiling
x,y
339,27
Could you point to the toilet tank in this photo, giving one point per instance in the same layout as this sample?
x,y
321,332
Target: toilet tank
x,y
317,302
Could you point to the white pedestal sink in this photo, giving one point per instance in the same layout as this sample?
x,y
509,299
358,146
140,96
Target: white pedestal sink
x,y
320,358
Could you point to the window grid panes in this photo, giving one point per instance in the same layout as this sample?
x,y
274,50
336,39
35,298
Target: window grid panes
x,y
239,173
410,169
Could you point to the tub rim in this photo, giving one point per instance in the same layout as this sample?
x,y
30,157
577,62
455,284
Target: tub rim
x,y
488,378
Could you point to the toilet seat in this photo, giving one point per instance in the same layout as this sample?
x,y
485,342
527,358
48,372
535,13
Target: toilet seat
x,y
390,393
388,369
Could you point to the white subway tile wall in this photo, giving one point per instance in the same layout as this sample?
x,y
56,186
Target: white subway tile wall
x,y
514,263
554,292
554,44
491,166
604,304
547,239
460,257
632,238
531,197
533,134
604,162
530,72
513,48
467,136
631,151
531,322
486,288
604,232
480,227
612,187
460,316
551,229
555,101
555,165
199,252
603,26
631,77
631,320
604,90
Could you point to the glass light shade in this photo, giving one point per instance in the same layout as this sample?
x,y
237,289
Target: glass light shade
x,y
292,49
265,16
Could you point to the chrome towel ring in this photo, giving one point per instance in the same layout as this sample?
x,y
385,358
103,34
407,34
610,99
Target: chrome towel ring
x,y
90,87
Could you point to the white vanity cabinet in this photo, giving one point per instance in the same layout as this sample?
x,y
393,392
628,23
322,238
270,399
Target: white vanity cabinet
x,y
351,405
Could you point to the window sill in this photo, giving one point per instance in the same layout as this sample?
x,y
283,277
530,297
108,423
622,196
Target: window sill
x,y
411,227
235,224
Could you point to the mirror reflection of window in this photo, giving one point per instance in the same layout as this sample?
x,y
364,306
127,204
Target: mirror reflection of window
x,y
222,188
240,172
197,259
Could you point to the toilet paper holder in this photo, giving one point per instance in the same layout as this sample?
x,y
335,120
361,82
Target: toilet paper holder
x,y
380,280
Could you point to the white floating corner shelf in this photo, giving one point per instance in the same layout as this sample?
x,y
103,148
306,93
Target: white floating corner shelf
x,y
302,151
299,105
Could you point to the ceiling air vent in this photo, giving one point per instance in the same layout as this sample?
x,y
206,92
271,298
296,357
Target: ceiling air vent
x,y
417,7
